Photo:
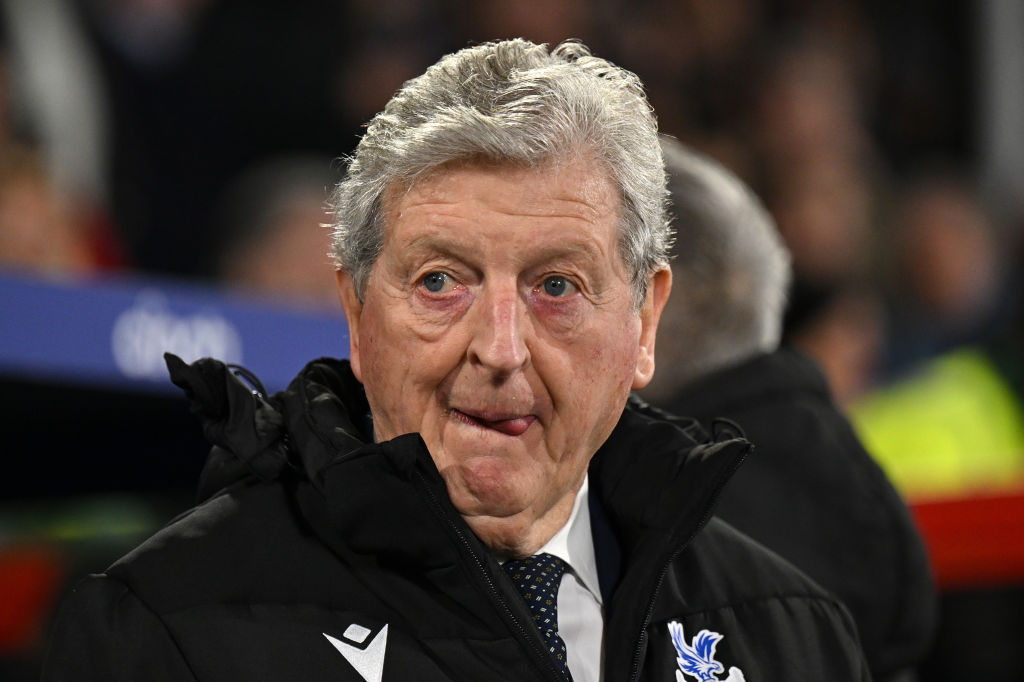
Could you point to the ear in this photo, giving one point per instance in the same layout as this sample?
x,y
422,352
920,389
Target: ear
x,y
353,310
658,289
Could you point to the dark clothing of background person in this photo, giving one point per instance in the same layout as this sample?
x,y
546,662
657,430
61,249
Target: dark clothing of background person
x,y
811,492
309,529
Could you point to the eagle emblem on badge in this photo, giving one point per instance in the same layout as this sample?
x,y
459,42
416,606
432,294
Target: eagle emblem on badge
x,y
697,658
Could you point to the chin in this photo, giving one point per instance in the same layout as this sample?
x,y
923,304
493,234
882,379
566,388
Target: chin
x,y
487,486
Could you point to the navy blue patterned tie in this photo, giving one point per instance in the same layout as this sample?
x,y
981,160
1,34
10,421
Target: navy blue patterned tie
x,y
537,578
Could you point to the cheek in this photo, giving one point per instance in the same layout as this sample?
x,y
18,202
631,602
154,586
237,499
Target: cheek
x,y
597,372
616,351
385,369
615,362
372,350
402,370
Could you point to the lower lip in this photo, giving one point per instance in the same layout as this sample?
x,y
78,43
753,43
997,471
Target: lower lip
x,y
508,427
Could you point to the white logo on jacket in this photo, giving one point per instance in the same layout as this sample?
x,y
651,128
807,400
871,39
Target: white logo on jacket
x,y
697,659
368,660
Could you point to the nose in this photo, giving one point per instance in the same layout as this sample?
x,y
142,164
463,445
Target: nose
x,y
499,331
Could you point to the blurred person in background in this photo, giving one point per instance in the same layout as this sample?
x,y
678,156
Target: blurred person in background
x,y
275,246
945,418
949,281
40,231
49,223
948,420
809,491
58,99
43,229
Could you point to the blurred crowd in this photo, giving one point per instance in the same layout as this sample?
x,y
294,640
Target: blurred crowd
x,y
199,139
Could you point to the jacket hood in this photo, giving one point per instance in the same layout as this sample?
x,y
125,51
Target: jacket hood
x,y
660,475
304,427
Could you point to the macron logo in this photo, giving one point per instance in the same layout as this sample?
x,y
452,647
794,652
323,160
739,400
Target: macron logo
x,y
367,659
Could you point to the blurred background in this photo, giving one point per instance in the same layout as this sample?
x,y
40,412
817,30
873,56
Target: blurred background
x,y
163,170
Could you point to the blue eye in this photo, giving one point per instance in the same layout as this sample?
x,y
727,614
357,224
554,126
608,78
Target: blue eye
x,y
557,286
435,281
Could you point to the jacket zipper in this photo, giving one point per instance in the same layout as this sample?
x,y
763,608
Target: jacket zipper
x,y
524,635
635,673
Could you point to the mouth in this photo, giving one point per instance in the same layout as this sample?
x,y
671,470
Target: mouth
x,y
509,425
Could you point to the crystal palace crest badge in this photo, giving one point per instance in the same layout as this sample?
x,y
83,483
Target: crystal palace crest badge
x,y
696,659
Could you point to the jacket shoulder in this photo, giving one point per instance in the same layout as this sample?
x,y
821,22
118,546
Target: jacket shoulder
x,y
741,568
770,620
242,546
104,632
236,588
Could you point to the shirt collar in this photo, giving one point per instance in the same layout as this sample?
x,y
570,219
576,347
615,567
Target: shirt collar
x,y
574,543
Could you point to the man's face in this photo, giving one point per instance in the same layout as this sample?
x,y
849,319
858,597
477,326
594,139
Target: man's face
x,y
498,323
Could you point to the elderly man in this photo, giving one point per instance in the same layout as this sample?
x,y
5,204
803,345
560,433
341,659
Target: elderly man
x,y
473,496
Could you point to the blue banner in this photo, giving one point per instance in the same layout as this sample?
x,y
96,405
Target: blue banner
x,y
113,332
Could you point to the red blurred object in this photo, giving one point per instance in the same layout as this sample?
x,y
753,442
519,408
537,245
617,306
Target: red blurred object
x,y
974,541
105,248
30,578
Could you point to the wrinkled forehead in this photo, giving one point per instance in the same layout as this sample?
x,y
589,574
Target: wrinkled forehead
x,y
591,188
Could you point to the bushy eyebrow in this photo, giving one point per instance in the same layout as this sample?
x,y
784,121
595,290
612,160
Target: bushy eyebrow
x,y
432,243
576,250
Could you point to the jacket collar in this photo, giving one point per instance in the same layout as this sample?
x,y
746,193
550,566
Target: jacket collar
x,y
659,475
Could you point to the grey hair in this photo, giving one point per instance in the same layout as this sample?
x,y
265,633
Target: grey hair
x,y
510,102
731,270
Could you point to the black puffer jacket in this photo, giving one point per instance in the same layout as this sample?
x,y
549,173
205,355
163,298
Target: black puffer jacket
x,y
318,556
813,494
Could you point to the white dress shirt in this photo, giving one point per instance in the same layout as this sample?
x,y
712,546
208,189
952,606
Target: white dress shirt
x,y
580,609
